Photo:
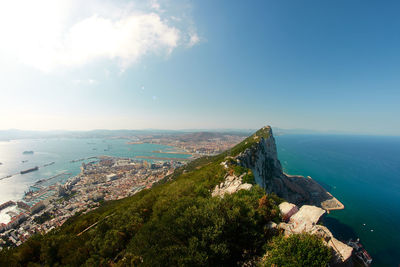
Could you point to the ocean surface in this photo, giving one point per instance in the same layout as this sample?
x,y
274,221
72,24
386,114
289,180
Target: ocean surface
x,y
62,152
363,172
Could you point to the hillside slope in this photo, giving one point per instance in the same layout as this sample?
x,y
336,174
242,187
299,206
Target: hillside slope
x,y
177,222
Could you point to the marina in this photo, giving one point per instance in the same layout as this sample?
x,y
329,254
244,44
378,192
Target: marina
x,y
59,160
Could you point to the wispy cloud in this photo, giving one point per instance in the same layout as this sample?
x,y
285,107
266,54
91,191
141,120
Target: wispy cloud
x,y
49,35
193,39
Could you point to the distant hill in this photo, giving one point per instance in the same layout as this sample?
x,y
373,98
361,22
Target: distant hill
x,y
12,134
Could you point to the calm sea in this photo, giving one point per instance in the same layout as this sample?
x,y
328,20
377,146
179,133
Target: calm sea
x,y
363,172
62,152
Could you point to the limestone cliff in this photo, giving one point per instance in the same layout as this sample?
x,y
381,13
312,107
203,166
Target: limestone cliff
x,y
259,154
261,157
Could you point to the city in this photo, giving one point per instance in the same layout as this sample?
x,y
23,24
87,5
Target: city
x,y
103,180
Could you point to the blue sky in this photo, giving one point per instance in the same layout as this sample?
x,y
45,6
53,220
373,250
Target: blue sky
x,y
323,65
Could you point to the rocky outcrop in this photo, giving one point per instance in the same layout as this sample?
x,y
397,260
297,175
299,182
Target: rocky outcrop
x,y
230,185
306,220
260,155
262,159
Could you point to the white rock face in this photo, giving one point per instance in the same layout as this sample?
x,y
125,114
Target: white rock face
x,y
231,185
262,159
307,216
305,220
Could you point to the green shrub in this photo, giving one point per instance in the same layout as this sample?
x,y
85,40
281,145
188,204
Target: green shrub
x,y
296,251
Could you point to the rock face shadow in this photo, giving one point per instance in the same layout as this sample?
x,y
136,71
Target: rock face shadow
x,y
340,230
326,186
261,157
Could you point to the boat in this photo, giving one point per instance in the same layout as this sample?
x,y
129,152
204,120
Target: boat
x,y
360,252
28,152
24,161
30,170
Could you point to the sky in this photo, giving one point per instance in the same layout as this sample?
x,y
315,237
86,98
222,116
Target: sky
x,y
101,64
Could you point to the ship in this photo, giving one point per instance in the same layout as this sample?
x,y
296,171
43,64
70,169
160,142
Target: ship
x,y
30,170
48,164
360,252
27,152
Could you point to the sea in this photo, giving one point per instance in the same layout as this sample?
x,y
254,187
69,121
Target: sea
x,y
363,172
61,151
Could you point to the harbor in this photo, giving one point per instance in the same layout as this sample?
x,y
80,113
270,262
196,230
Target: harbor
x,y
54,157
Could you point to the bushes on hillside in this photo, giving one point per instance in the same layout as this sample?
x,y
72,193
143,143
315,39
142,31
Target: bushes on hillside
x,y
296,251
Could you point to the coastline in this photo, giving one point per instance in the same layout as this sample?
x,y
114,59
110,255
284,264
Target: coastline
x,y
327,201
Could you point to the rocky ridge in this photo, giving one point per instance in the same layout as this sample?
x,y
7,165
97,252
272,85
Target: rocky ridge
x,y
260,155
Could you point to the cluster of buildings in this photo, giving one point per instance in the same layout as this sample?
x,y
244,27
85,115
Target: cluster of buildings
x,y
195,143
210,147
107,179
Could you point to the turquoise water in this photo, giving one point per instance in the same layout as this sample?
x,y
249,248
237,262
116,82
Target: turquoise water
x,y
61,151
363,172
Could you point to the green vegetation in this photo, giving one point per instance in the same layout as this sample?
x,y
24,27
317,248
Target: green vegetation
x,y
239,170
297,250
176,223
43,218
249,178
265,133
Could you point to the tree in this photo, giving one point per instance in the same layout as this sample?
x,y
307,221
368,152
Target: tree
x,y
297,250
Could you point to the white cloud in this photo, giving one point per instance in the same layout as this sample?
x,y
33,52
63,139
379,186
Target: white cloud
x,y
126,39
49,34
155,5
193,39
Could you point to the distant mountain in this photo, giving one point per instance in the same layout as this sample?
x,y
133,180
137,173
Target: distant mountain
x,y
22,134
